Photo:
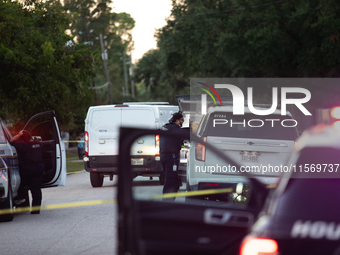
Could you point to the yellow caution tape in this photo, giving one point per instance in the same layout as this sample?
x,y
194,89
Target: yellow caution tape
x,y
57,206
202,192
271,186
99,202
194,193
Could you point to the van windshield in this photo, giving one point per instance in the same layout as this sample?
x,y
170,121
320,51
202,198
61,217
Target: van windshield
x,y
225,124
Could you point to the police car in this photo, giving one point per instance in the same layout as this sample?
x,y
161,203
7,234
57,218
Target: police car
x,y
303,216
44,127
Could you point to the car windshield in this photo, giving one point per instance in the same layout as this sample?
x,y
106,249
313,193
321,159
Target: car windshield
x,y
225,124
312,198
314,186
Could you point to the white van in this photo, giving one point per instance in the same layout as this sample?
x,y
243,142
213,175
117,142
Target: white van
x,y
102,126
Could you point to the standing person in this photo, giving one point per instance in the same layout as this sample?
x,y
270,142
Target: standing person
x,y
81,144
31,167
170,152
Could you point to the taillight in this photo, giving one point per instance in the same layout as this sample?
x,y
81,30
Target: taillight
x,y
86,143
258,246
336,125
157,144
200,150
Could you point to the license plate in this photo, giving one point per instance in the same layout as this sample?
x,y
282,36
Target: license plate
x,y
250,158
137,161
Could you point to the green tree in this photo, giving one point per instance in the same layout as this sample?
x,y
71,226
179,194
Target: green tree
x,y
38,69
149,70
92,19
248,38
153,84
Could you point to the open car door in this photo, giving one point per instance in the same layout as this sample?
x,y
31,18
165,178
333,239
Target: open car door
x,y
44,127
151,224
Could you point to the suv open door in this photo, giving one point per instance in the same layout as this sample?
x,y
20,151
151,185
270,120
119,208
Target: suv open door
x,y
44,127
148,223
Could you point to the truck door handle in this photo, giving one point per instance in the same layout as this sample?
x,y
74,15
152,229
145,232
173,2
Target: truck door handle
x,y
219,217
226,217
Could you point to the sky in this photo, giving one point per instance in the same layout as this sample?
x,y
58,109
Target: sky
x,y
148,15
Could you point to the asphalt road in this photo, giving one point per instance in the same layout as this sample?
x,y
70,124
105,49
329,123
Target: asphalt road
x,y
72,230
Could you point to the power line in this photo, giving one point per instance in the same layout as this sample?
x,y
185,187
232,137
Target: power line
x,y
101,86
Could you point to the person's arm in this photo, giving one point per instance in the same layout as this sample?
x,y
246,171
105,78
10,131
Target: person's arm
x,y
185,133
16,137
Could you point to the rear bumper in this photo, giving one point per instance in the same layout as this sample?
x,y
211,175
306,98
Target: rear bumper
x,y
109,165
101,164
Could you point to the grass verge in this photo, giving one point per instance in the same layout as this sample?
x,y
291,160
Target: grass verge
x,y
73,164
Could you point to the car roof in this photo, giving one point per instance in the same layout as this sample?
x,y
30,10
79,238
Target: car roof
x,y
139,106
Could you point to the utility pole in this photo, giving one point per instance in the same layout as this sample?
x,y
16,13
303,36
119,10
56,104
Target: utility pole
x,y
93,84
132,71
104,56
125,76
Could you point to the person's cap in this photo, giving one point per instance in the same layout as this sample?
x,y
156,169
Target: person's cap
x,y
177,116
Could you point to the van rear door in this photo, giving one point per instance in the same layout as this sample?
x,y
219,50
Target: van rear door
x,y
44,127
139,117
104,131
144,152
144,148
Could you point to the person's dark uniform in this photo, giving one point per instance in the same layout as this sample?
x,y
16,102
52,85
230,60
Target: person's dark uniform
x,y
31,167
170,147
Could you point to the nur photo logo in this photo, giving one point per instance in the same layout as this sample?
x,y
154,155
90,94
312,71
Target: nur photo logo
x,y
238,99
238,96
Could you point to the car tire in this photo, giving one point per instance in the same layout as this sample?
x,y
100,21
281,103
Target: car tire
x,y
7,205
162,178
96,180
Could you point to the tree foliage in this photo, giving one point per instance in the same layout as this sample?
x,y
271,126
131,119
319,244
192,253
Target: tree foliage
x,y
93,18
246,38
155,83
38,70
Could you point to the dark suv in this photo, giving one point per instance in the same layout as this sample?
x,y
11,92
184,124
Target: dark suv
x,y
303,216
